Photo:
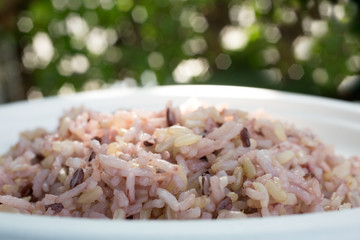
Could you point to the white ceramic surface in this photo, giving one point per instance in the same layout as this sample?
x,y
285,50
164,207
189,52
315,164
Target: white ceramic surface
x,y
336,122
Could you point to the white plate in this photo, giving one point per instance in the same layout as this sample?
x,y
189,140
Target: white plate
x,y
336,122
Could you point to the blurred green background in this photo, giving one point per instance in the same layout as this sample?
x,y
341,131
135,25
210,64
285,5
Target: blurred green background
x,y
62,46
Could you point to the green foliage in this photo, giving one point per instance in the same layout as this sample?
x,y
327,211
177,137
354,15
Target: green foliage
x,y
302,46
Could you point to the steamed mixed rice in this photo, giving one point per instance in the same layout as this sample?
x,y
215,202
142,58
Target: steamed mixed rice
x,y
193,162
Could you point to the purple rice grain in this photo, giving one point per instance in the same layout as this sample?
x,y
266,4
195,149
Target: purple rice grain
x,y
26,190
218,124
97,139
77,178
149,143
249,210
226,203
245,139
37,159
205,182
56,207
92,156
309,175
170,117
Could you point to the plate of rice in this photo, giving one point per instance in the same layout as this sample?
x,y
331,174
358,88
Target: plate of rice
x,y
202,162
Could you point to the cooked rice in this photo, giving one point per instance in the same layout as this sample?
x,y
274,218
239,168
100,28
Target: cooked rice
x,y
194,163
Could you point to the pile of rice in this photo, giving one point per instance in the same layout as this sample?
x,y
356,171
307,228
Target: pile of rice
x,y
197,162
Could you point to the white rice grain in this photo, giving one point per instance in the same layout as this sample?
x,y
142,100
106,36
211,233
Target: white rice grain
x,y
168,198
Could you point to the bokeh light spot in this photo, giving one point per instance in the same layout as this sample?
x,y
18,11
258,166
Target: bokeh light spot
x,y
234,13
74,4
148,78
353,63
272,34
288,16
339,12
139,14
29,58
111,36
325,9
199,23
155,60
59,4
233,38
246,16
92,84
190,18
91,4
303,47
43,48
274,75
263,6
96,41
125,5
188,69
25,24
57,28
64,67
66,88
296,72
271,55
107,4
79,63
76,26
319,28
194,46
34,93
320,76
127,82
306,24
113,54
223,61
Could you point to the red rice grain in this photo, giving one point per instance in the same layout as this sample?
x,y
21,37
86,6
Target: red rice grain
x,y
195,163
